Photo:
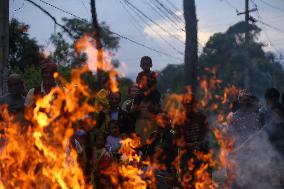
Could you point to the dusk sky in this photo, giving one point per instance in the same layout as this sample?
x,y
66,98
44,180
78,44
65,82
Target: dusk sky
x,y
213,15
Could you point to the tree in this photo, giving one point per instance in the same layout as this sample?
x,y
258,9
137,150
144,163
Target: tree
x,y
24,51
64,50
191,45
225,53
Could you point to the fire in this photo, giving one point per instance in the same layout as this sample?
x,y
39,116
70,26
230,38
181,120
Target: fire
x,y
129,167
36,157
86,45
40,156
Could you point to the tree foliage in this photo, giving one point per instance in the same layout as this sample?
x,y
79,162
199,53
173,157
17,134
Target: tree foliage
x,y
24,51
225,53
64,46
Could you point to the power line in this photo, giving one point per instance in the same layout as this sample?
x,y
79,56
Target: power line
x,y
157,33
167,9
62,10
151,20
272,6
84,5
162,13
273,27
135,21
230,5
265,33
172,5
143,45
117,34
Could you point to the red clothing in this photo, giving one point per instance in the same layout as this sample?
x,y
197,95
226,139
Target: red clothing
x,y
149,77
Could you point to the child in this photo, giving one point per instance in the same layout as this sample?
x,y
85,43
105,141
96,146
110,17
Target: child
x,y
147,83
102,159
113,140
146,80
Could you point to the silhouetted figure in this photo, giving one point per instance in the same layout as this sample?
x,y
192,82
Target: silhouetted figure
x,y
245,121
192,136
146,103
146,77
283,100
162,151
48,68
14,99
274,111
101,159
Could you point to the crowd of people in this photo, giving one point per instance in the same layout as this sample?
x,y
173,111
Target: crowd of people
x,y
141,115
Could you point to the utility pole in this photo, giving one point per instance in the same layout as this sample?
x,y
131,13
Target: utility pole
x,y
247,83
4,43
191,45
97,32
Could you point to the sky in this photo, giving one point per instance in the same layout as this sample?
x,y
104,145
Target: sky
x,y
160,33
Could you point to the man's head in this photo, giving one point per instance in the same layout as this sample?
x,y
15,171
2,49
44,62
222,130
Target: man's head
x,y
146,63
271,96
114,99
114,128
190,103
48,68
246,99
15,85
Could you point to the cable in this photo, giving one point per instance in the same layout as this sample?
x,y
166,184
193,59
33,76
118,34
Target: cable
x,y
273,27
141,44
22,6
230,5
61,9
168,10
87,10
159,11
135,21
172,5
272,6
264,31
151,20
117,34
157,33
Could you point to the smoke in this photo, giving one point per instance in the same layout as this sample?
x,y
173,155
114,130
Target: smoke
x,y
260,165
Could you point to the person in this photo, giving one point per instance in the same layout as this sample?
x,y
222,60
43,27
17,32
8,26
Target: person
x,y
244,127
101,159
162,152
145,112
147,83
146,76
14,99
191,136
79,142
283,100
48,68
114,113
274,111
245,121
133,91
113,141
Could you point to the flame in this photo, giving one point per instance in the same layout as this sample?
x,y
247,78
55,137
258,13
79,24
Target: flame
x,y
36,157
40,155
86,44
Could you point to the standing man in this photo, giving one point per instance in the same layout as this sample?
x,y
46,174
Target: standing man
x,y
48,68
